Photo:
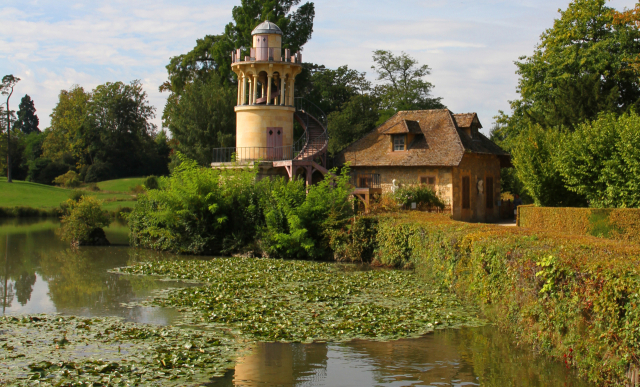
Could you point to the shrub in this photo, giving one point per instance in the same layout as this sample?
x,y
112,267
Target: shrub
x,y
151,182
99,171
76,195
92,187
422,195
50,171
207,211
83,225
137,189
615,223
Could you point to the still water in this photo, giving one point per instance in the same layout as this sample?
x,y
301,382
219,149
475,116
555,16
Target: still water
x,y
41,274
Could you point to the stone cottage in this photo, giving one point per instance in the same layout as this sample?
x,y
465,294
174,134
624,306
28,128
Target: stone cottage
x,y
436,148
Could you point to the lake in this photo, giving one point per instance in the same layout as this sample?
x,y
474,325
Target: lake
x,y
41,274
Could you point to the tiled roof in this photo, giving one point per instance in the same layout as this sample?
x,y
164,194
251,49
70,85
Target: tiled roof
x,y
465,120
440,142
404,126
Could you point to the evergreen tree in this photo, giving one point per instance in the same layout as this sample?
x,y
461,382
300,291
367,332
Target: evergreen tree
x,y
27,119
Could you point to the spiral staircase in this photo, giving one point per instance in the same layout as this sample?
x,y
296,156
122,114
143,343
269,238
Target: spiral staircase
x,y
310,151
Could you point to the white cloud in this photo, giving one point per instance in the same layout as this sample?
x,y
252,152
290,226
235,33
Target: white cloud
x,y
470,45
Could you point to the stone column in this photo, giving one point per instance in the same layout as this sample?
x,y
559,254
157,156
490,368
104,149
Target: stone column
x,y
244,90
255,88
281,91
291,91
239,90
269,78
250,90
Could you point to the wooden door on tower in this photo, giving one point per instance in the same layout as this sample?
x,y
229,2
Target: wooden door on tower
x,y
274,143
262,47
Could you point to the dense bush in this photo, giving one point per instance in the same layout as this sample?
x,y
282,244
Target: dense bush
x,y
151,182
27,212
68,180
84,222
99,172
615,223
423,195
206,211
573,298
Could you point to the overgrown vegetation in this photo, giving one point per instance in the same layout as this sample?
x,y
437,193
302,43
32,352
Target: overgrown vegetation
x,y
423,195
572,298
301,301
84,223
78,351
206,211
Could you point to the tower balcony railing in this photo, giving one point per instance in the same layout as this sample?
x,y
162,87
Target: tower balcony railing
x,y
248,154
265,54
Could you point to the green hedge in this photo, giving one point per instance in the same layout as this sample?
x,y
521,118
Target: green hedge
x,y
614,223
573,298
25,212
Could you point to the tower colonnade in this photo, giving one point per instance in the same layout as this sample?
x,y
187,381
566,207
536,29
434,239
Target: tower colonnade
x,y
266,83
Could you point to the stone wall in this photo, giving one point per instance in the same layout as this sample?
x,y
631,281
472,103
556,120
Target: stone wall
x,y
411,175
477,167
252,123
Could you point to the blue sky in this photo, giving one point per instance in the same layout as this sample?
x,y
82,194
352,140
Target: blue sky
x,y
470,45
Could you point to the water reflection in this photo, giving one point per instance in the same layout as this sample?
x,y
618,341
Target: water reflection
x,y
466,357
42,274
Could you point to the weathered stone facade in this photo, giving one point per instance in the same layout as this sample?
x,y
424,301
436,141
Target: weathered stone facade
x,y
437,148
477,167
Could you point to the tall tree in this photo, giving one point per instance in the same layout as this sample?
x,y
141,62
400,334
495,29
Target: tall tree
x,y
63,135
202,118
7,86
117,129
27,119
402,85
582,67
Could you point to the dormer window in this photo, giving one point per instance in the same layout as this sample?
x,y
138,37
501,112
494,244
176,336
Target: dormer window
x,y
399,142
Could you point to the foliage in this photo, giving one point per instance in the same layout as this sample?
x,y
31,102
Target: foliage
x,y
63,134
68,180
579,69
207,211
356,241
77,194
27,121
282,300
561,294
535,155
403,86
199,211
601,161
357,117
84,218
202,118
423,195
99,171
151,182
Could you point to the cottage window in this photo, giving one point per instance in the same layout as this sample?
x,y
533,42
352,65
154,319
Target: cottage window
x,y
466,201
399,142
428,180
489,191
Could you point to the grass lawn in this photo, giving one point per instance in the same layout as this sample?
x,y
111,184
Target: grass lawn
x,y
27,194
120,185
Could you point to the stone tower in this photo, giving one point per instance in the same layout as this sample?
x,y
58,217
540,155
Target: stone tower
x,y
265,108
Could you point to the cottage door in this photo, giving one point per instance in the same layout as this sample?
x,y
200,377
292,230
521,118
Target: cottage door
x,y
262,47
274,144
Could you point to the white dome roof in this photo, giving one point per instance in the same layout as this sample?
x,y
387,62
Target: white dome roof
x,y
267,27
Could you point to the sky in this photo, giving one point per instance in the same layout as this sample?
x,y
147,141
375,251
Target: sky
x,y
470,46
